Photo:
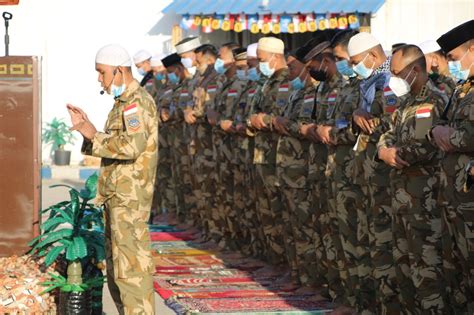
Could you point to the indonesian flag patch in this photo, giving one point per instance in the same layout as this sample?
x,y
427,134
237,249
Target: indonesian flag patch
x,y
424,112
308,99
232,93
211,88
130,109
251,93
184,93
283,88
332,97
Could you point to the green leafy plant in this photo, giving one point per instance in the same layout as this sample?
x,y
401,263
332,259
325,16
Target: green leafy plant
x,y
57,133
61,283
74,229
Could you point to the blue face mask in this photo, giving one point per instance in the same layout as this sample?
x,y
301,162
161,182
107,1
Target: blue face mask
x,y
219,66
160,76
362,70
242,75
141,72
253,74
173,78
265,68
455,68
344,68
297,84
117,90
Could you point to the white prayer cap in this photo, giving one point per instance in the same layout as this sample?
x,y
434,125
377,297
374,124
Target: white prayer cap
x,y
155,61
113,55
429,46
187,44
271,45
141,56
360,43
252,50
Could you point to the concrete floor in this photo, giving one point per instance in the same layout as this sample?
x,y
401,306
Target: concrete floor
x,y
51,196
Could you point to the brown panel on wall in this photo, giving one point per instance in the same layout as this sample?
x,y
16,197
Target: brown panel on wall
x,y
20,161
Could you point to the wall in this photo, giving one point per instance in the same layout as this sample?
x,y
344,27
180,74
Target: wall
x,y
414,21
67,34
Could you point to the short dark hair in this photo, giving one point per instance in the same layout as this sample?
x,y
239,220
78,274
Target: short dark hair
x,y
342,38
207,49
231,45
413,51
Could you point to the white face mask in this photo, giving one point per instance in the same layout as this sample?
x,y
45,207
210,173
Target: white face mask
x,y
400,86
192,70
187,62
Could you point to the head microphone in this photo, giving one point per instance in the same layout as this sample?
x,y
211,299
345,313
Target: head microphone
x,y
107,87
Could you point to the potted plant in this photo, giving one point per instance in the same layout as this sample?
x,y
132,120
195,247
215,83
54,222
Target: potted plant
x,y
58,134
73,233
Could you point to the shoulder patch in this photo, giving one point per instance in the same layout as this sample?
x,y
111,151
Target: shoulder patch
x,y
232,93
133,123
332,97
423,111
284,88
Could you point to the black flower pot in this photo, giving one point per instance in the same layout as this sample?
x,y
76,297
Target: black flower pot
x,y
74,303
62,157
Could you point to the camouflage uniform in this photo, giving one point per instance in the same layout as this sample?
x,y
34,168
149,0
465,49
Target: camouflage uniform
x,y
204,165
253,236
457,205
444,83
225,103
128,149
414,189
346,193
270,99
179,148
323,200
292,173
377,280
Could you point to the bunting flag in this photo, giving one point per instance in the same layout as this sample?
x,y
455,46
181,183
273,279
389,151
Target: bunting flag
x,y
270,23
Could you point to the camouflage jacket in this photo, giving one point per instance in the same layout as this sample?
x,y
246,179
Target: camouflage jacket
x,y
410,126
293,151
204,94
180,99
445,83
270,99
128,149
461,118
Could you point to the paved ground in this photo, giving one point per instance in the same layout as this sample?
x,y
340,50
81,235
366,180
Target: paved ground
x,y
54,195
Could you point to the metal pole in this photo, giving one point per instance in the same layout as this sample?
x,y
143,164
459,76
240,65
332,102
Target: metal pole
x,y
7,16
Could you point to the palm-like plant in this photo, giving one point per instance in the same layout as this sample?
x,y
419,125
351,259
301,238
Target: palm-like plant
x,y
57,133
74,229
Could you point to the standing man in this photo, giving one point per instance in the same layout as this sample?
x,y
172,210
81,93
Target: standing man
x,y
416,220
267,104
454,136
141,59
128,149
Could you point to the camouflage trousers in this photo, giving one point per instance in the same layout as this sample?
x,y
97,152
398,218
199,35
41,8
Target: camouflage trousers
x,y
270,212
300,241
327,241
181,172
348,202
128,256
458,252
417,242
165,192
378,282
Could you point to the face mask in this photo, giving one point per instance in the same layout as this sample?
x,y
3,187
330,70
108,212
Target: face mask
x,y
141,72
362,70
160,76
117,90
297,84
400,86
173,78
219,66
187,62
242,75
192,70
455,68
344,68
265,68
253,74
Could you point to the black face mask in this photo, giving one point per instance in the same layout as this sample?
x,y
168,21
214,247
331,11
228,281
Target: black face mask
x,y
318,75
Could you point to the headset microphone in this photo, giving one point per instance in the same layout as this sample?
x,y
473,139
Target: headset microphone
x,y
107,87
